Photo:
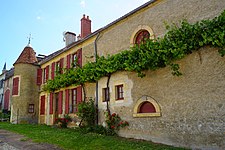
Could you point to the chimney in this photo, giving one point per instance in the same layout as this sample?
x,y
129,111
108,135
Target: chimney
x,y
85,26
69,37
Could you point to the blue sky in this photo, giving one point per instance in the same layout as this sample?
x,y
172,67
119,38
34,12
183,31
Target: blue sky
x,y
46,20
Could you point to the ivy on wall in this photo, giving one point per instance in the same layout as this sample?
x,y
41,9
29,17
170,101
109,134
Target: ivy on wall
x,y
151,55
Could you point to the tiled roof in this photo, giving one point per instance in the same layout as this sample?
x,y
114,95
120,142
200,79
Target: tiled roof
x,y
28,56
9,73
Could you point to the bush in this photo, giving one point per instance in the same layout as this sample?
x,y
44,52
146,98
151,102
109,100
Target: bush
x,y
87,112
63,122
114,122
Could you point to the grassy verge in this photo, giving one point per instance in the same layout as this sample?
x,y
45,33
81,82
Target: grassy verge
x,y
73,139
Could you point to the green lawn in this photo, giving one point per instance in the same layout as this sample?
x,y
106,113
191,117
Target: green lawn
x,y
73,139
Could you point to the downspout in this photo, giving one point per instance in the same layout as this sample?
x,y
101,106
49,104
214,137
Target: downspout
x,y
96,87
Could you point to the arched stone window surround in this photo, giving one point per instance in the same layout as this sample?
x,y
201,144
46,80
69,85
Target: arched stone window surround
x,y
138,30
139,103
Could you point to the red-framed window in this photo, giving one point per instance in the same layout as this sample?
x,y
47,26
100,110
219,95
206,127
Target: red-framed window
x,y
77,59
53,70
59,66
15,90
105,94
119,92
42,105
46,74
142,36
75,100
147,107
31,108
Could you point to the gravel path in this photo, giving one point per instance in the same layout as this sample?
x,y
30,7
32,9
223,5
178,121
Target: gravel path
x,y
13,141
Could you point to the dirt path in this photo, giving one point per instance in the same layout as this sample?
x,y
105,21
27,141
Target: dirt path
x,y
13,141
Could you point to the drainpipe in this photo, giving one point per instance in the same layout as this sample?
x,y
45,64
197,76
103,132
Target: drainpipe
x,y
96,87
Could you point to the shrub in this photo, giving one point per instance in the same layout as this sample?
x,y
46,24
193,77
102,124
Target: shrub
x,y
63,122
87,112
114,122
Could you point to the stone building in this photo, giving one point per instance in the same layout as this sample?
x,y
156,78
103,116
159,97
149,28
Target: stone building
x,y
185,111
25,91
2,80
8,84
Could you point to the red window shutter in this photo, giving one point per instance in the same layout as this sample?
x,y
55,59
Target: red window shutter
x,y
61,64
53,71
67,101
79,94
15,86
42,111
80,57
60,102
68,62
51,104
47,73
39,76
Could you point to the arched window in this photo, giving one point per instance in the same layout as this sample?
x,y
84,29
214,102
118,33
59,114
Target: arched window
x,y
142,36
146,107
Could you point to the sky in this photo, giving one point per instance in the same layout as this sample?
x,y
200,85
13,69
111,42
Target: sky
x,y
46,20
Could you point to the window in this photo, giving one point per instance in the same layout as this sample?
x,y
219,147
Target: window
x,y
53,70
46,74
119,92
74,60
142,36
146,107
1,84
73,101
105,94
31,108
59,66
15,86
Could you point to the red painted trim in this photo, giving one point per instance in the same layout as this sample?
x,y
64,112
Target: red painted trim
x,y
15,86
67,101
60,102
42,107
39,76
53,70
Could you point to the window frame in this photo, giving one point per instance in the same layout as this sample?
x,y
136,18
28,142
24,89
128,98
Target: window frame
x,y
105,94
119,94
73,101
31,108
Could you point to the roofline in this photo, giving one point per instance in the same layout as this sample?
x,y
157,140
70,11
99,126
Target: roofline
x,y
97,31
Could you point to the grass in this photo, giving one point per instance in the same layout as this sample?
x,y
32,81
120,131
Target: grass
x,y
70,139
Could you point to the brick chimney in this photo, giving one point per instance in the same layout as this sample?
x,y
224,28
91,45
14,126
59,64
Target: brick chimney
x,y
85,26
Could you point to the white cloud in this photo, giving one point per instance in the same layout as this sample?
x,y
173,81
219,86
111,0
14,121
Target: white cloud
x,y
38,17
82,3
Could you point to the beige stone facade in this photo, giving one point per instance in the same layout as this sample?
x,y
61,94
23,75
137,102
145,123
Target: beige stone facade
x,y
190,109
27,94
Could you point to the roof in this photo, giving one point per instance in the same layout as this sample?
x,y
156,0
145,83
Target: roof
x,y
28,56
49,57
9,73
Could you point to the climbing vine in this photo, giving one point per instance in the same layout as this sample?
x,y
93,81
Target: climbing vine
x,y
151,55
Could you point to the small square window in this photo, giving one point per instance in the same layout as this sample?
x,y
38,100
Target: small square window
x,y
105,94
119,92
31,108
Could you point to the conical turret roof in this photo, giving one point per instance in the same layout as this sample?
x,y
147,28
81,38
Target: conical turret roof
x,y
28,56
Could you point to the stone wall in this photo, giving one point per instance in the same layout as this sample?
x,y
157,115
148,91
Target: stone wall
x,y
192,105
28,94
